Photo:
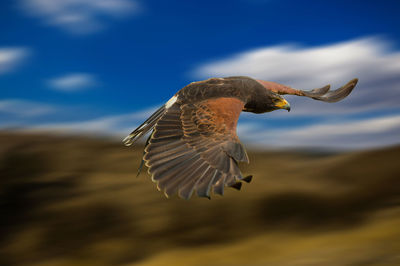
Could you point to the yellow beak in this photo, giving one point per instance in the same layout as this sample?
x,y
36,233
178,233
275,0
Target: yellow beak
x,y
283,105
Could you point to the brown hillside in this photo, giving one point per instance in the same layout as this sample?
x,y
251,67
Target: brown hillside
x,y
74,200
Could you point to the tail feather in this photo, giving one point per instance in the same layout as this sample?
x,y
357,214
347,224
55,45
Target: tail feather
x,y
145,127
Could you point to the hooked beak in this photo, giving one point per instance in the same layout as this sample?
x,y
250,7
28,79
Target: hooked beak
x,y
283,105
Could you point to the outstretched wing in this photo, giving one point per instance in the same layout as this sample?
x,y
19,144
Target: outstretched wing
x,y
321,94
195,147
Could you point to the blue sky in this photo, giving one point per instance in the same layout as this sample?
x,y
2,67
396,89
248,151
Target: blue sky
x,y
101,66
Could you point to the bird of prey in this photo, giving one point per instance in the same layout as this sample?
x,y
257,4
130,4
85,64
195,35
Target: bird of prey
x,y
193,145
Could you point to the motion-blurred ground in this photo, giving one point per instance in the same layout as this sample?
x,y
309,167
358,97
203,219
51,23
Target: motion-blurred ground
x,y
68,201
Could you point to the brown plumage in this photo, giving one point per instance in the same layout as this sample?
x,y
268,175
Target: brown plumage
x,y
193,145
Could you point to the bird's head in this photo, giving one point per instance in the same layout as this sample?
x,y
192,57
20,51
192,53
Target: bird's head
x,y
278,102
266,101
273,100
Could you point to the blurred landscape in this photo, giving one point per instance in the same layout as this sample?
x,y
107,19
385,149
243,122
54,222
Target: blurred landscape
x,y
75,200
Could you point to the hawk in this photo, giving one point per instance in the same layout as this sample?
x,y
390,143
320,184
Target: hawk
x,y
193,145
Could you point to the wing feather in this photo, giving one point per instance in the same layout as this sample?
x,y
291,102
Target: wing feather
x,y
195,147
187,190
219,185
321,94
154,149
195,170
204,185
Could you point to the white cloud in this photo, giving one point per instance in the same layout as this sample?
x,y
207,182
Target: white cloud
x,y
351,134
369,59
368,118
73,82
79,16
118,125
24,108
363,133
11,57
357,134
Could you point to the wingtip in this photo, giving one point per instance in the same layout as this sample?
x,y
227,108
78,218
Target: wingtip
x,y
353,82
248,178
131,138
237,185
326,87
127,141
317,92
349,86
168,196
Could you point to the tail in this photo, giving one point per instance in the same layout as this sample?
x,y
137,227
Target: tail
x,y
145,127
